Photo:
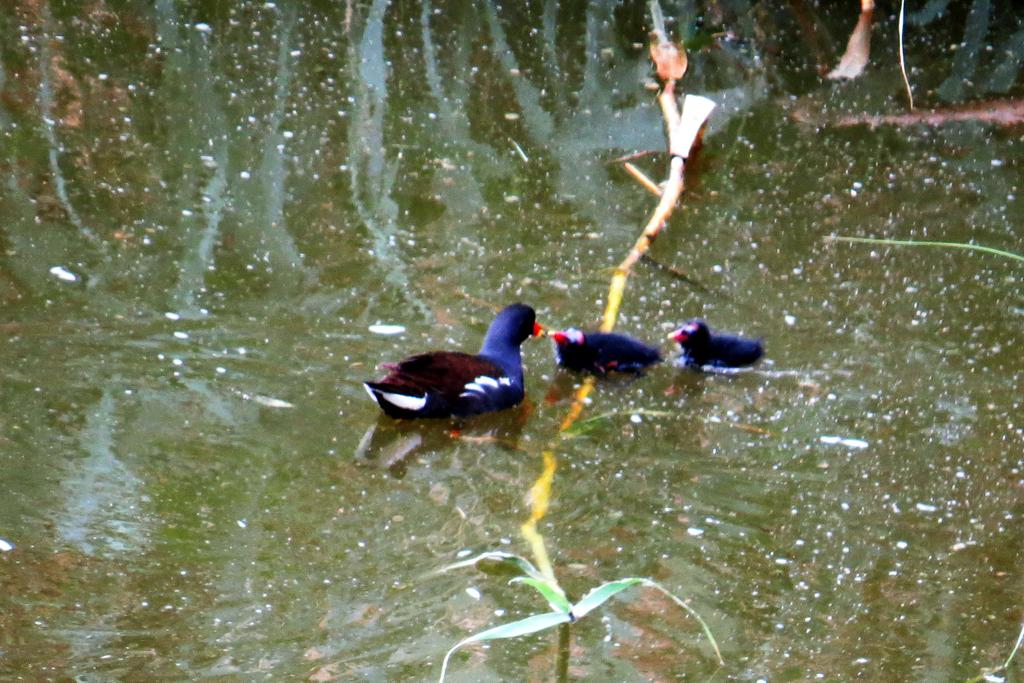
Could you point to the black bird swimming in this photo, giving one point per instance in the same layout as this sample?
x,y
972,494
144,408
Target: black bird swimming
x,y
450,383
602,352
702,348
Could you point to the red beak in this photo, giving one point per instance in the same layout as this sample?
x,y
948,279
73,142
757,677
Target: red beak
x,y
537,330
559,338
679,335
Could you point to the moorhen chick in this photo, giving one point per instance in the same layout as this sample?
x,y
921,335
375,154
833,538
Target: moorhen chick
x,y
602,352
701,348
450,383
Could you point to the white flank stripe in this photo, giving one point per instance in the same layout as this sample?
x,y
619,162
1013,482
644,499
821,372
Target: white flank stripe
x,y
473,386
405,402
484,380
398,400
505,381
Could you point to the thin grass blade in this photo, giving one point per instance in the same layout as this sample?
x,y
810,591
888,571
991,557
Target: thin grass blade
x,y
903,59
707,630
989,674
923,243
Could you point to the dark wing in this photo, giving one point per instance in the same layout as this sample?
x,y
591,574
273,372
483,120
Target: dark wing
x,y
576,356
443,372
444,383
733,351
622,353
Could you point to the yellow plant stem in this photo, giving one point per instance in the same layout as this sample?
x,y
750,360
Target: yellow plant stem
x,y
669,197
578,401
540,496
540,492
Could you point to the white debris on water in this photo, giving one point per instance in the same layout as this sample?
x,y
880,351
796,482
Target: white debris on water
x,y
926,507
473,593
695,532
203,27
269,401
181,335
64,274
172,316
385,329
842,441
6,546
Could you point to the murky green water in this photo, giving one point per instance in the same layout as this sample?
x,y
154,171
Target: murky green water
x,y
207,205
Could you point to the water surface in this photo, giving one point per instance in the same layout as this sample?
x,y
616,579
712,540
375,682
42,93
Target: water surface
x,y
207,206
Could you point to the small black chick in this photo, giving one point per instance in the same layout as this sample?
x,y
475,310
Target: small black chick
x,y
701,348
602,352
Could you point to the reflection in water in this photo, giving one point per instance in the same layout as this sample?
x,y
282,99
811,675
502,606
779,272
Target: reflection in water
x,y
391,444
47,63
388,451
373,175
103,512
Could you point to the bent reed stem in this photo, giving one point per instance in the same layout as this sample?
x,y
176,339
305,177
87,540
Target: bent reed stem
x,y
670,59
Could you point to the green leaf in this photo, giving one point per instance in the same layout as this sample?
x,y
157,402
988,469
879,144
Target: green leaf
x,y
537,622
598,596
497,562
552,592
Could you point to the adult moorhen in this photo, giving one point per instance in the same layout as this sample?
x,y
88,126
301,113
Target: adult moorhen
x,y
702,348
602,352
450,383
